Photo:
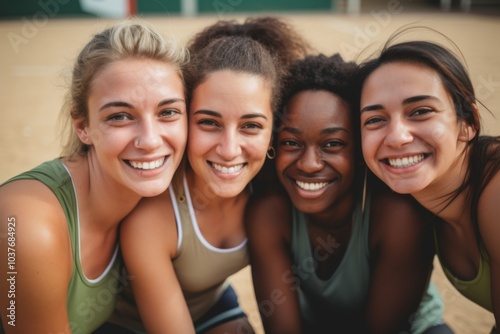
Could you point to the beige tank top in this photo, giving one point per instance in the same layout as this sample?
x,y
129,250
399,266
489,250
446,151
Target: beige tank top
x,y
202,269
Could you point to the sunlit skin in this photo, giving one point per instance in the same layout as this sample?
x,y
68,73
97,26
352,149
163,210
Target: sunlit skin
x,y
410,133
230,121
230,126
316,163
136,132
407,112
137,125
315,152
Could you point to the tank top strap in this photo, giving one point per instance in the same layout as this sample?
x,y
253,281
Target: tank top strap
x,y
179,195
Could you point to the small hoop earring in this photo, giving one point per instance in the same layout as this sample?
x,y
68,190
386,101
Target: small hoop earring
x,y
271,153
137,141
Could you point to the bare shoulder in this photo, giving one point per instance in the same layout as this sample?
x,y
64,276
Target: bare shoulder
x,y
152,221
489,210
488,202
397,218
270,211
34,235
395,209
40,221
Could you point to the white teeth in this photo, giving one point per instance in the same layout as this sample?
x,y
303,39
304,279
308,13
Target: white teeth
x,y
147,165
227,170
311,186
406,162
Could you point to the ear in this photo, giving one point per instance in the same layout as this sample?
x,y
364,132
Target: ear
x,y
468,131
82,131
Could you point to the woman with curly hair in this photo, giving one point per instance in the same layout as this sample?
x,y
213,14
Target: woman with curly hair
x,y
332,251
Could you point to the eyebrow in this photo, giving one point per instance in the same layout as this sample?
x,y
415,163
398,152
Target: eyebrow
x,y
296,131
219,115
408,100
128,105
333,130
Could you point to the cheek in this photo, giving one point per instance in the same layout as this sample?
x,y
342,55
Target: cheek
x,y
366,145
179,133
258,146
112,139
441,134
281,163
196,141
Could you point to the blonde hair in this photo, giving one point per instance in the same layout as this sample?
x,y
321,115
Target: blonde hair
x,y
130,38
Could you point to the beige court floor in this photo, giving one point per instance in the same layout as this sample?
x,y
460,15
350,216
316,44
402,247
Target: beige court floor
x,y
36,58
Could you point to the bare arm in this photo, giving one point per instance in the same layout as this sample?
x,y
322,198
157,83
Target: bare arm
x,y
401,244
489,211
149,242
268,224
34,241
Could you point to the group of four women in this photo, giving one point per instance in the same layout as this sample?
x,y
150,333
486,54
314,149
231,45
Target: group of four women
x,y
371,169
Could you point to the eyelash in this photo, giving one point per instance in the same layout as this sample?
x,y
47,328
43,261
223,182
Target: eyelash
x,y
211,122
252,125
336,143
119,117
421,111
172,112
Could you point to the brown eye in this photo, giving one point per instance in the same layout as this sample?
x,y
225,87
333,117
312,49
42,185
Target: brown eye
x,y
167,113
119,117
334,143
421,111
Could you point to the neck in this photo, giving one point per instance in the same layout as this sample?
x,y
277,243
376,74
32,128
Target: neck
x,y
437,196
102,204
337,217
208,200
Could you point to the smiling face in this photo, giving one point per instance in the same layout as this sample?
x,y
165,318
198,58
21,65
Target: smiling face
x,y
315,151
230,124
411,137
137,125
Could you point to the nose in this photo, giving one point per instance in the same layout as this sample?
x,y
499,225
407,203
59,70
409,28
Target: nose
x,y
310,161
399,133
149,137
230,145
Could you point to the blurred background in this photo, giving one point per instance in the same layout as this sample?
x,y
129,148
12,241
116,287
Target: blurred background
x,y
39,40
120,8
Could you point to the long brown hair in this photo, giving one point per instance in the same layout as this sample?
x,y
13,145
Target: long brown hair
x,y
483,161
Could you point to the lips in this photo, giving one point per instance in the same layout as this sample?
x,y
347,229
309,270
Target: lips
x,y
310,186
406,161
147,165
227,170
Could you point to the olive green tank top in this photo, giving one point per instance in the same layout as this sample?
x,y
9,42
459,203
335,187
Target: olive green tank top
x,y
478,289
90,301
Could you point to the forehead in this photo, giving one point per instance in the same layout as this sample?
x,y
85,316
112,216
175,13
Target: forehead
x,y
397,80
316,107
233,92
143,74
403,72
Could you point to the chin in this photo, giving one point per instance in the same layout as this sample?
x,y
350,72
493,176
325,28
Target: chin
x,y
228,191
404,189
153,190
